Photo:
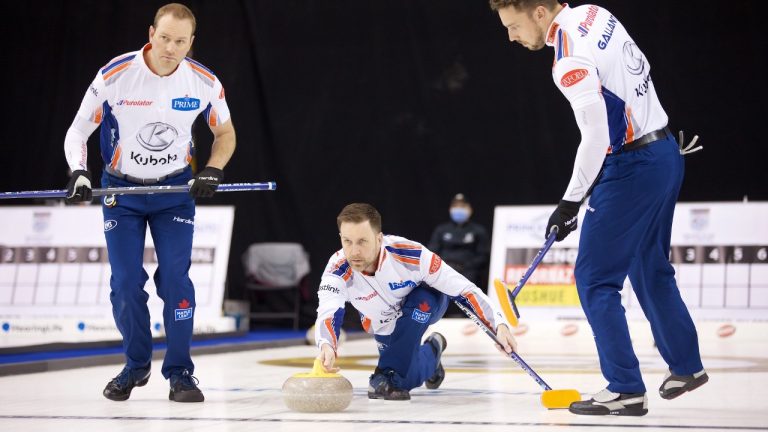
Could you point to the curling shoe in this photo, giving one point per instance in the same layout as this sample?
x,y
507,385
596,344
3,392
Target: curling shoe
x,y
381,386
438,343
607,402
675,385
119,389
184,388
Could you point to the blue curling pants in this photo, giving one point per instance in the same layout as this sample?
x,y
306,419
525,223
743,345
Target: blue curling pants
x,y
402,350
627,231
170,218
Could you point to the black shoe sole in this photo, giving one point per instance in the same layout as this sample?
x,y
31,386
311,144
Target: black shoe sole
x,y
375,396
690,386
186,396
124,397
378,396
633,412
434,385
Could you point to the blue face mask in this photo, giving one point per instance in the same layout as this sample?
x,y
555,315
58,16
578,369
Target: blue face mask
x,y
459,214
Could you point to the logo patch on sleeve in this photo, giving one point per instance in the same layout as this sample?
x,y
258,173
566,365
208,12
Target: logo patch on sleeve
x,y
435,264
184,312
573,77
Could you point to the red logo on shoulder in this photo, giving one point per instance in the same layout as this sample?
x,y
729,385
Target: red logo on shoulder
x,y
184,304
435,264
424,306
572,77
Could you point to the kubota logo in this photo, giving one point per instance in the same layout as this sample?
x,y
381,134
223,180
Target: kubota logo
x,y
157,136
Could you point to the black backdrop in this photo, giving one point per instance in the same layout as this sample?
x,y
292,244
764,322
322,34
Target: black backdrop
x,y
400,103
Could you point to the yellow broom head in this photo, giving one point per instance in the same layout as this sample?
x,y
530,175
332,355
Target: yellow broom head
x,y
506,307
559,399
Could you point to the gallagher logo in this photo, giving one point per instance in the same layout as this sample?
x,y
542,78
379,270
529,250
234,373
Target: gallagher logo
x,y
185,104
422,314
184,312
572,77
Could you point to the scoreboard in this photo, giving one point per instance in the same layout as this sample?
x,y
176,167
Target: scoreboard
x,y
54,274
58,275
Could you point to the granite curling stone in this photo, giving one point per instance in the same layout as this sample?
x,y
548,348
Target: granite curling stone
x,y
317,391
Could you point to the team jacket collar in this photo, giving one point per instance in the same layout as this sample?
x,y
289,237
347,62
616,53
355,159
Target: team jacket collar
x,y
382,257
560,18
140,58
141,61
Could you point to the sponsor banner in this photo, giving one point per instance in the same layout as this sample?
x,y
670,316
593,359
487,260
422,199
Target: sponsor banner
x,y
16,332
719,252
54,269
545,295
728,338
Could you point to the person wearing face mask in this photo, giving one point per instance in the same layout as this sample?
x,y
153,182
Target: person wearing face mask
x,y
464,245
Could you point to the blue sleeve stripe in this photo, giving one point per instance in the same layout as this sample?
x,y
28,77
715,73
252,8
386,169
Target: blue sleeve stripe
x,y
338,319
117,63
197,63
412,253
341,270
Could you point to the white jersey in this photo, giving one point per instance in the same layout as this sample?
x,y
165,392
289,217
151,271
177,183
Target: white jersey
x,y
403,265
146,119
606,78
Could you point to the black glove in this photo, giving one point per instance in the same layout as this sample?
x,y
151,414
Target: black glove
x,y
206,182
79,187
565,218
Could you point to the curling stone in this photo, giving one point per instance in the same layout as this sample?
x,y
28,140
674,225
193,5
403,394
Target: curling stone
x,y
317,391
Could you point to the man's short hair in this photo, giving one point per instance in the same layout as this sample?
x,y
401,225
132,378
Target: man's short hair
x,y
359,213
178,11
522,5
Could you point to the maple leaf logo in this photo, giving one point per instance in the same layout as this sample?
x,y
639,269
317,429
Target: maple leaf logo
x,y
184,304
424,306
